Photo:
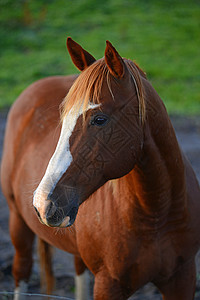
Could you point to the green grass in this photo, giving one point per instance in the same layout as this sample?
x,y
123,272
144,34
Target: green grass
x,y
162,36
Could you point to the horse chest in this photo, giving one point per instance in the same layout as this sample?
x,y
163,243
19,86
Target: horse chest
x,y
118,250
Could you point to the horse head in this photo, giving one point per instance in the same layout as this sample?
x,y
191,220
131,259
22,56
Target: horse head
x,y
101,135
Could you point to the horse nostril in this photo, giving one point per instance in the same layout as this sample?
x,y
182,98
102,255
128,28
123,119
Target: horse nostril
x,y
38,214
51,209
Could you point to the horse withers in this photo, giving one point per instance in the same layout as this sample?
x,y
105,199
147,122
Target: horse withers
x,y
111,169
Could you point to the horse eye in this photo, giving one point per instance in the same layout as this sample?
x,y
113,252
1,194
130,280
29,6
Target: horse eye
x,y
99,120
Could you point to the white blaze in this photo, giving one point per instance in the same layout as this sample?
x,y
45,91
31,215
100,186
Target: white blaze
x,y
61,159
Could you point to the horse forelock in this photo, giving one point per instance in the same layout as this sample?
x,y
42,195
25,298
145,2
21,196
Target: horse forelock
x,y
86,89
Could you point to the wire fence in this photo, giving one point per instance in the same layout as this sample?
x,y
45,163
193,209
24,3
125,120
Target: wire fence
x,y
7,294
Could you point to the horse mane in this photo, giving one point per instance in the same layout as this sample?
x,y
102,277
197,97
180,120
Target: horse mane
x,y
87,87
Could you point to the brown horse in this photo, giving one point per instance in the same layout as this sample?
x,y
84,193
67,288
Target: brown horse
x,y
115,171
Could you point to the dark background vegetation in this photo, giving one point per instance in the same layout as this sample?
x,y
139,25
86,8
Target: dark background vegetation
x,y
161,36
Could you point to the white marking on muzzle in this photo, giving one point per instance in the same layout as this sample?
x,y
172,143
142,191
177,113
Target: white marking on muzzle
x,y
61,159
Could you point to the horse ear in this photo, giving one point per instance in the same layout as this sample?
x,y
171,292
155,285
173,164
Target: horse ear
x,y
80,57
114,61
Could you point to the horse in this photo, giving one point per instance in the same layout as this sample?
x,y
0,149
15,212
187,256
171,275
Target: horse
x,y
91,165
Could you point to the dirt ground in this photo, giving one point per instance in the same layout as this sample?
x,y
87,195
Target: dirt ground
x,y
188,133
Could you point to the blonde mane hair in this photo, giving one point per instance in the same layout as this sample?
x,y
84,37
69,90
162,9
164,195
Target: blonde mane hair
x,y
87,87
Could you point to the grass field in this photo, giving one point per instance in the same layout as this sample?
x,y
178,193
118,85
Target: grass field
x,y
161,36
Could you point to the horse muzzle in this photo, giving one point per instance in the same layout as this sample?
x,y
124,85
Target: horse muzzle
x,y
60,213
57,217
60,216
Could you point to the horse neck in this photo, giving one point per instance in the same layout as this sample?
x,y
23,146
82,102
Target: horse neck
x,y
155,188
